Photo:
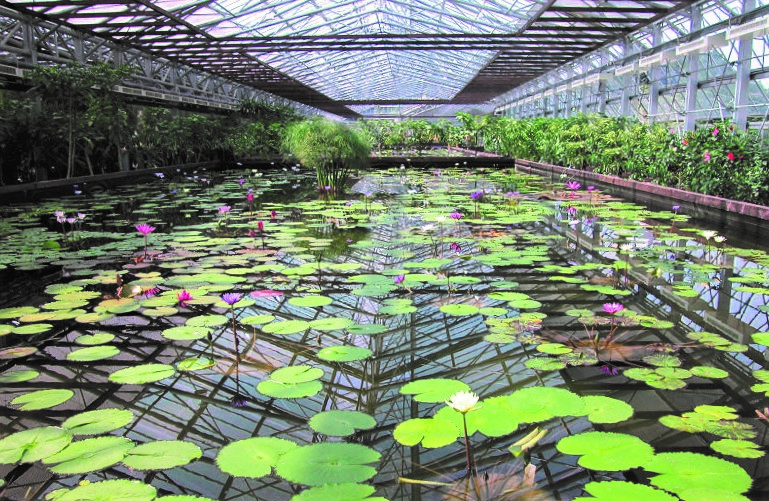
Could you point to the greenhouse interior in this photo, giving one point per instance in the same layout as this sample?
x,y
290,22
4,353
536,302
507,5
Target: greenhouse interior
x,y
316,250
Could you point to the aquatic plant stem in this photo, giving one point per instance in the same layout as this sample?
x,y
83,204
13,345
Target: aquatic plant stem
x,y
235,335
470,469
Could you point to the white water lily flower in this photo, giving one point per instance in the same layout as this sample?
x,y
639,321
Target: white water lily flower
x,y
719,239
463,401
708,234
440,219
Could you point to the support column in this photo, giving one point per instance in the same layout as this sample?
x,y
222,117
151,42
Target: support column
x,y
693,80
742,82
654,78
627,80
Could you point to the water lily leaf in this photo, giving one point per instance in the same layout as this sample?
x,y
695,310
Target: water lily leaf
x,y
18,376
708,372
607,450
286,327
97,421
32,329
340,423
89,455
106,490
161,455
186,332
142,374
730,429
33,444
327,463
641,374
17,311
493,311
459,310
366,329
94,339
95,317
737,448
715,412
612,491
602,409
397,307
92,353
554,348
545,364
761,338
494,417
662,360
42,399
310,301
343,353
431,432
673,372
331,324
296,374
345,491
540,403
160,311
119,305
195,364
509,296
257,319
181,497
17,352
501,338
680,472
276,389
252,457
667,383
433,390
207,321
524,304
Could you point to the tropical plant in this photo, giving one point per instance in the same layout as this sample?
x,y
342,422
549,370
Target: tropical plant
x,y
331,147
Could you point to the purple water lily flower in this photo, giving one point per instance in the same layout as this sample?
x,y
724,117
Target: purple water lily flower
x,y
231,298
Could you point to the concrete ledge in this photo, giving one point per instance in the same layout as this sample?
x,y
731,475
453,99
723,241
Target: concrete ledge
x,y
694,199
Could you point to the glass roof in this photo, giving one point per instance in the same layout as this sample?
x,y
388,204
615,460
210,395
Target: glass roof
x,y
340,53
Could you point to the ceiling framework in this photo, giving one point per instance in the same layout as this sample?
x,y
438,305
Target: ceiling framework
x,y
331,54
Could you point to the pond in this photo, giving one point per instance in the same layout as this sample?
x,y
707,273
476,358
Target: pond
x,y
233,335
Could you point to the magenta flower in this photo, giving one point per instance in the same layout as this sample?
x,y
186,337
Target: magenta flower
x,y
676,208
241,181
266,293
224,209
80,216
609,370
59,214
183,297
612,308
250,197
716,131
571,211
707,156
273,214
730,156
399,279
590,188
260,225
145,229
231,298
476,194
455,247
573,185
455,215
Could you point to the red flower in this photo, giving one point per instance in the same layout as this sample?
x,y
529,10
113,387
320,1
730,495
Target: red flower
x,y
730,156
685,141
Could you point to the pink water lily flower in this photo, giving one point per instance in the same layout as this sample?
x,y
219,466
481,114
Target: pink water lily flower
x,y
455,215
612,308
145,229
224,209
183,297
573,185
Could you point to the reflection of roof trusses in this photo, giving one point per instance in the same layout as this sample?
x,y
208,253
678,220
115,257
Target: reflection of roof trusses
x,y
329,53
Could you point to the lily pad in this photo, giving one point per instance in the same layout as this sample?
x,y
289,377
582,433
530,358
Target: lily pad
x,y
33,445
18,376
459,310
331,324
252,457
613,491
94,339
161,455
433,390
343,353
142,374
431,432
195,364
207,321
602,409
347,491
327,463
607,450
17,352
366,329
681,472
97,421
286,327
106,490
89,455
92,353
310,301
31,329
341,423
42,399
186,333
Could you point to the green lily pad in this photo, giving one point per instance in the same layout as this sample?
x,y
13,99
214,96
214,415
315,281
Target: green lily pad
x,y
366,329
459,310
737,448
310,301
331,324
195,364
327,463
296,374
708,372
544,364
341,423
42,399
89,455
97,421
207,321
276,389
607,450
681,472
33,445
761,338
257,319
142,374
493,311
431,432
18,376
347,491
186,333
433,390
17,311
252,457
615,490
106,490
94,339
286,327
343,353
602,409
161,455
31,329
92,353
17,352
554,348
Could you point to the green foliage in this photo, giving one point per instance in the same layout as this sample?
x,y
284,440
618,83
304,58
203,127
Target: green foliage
x,y
331,147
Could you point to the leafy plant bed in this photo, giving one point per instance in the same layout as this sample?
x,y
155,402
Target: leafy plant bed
x,y
250,338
